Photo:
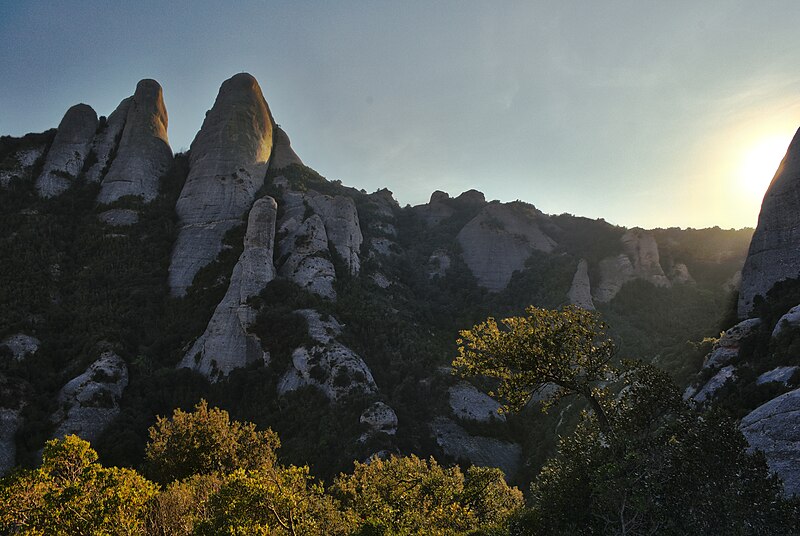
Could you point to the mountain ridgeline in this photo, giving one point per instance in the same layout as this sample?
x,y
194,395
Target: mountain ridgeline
x,y
136,281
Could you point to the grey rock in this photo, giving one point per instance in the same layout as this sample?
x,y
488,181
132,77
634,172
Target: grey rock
x,y
642,249
436,210
119,217
305,250
499,240
723,376
21,345
727,347
282,153
143,154
380,418
774,254
381,280
470,197
438,263
384,205
70,148
580,292
481,451
439,197
680,274
733,282
226,343
774,429
342,227
19,164
227,165
470,404
790,320
381,246
10,421
777,375
106,142
90,402
614,273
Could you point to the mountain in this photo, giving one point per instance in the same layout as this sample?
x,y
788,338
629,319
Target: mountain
x,y
136,281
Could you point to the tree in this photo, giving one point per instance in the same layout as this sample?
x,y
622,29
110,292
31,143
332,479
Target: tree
x,y
72,494
203,442
566,348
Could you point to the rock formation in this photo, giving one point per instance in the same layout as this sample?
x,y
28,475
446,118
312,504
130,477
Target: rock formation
x,y
380,418
341,226
727,347
282,153
640,260
21,345
499,240
227,166
9,423
723,376
777,375
438,263
107,140
481,451
680,274
68,152
119,217
580,292
90,402
19,164
436,210
226,344
614,272
790,320
143,154
470,404
774,254
772,428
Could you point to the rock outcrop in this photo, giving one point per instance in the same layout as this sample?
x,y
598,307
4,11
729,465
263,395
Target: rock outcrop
x,y
90,402
119,217
143,154
436,210
614,273
470,404
640,260
68,152
438,263
773,429
107,141
380,418
19,164
777,375
790,320
282,153
727,347
774,254
342,228
499,240
580,292
21,345
680,274
481,451
328,365
227,166
723,376
226,344
9,424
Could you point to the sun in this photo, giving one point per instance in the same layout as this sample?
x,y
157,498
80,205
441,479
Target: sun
x,y
759,163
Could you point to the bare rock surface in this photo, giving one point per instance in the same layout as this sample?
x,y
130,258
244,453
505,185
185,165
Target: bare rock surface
x,y
9,424
119,217
499,240
790,320
774,254
18,165
774,429
328,365
436,210
21,345
580,292
469,404
723,376
342,227
143,154
282,153
438,263
90,402
69,150
480,451
777,375
106,142
227,166
642,249
380,418
226,343
727,347
680,274
305,253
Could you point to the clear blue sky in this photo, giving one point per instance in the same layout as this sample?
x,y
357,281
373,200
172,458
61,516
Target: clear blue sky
x,y
643,113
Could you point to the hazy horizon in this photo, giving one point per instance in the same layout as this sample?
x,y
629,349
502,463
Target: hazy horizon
x,y
644,114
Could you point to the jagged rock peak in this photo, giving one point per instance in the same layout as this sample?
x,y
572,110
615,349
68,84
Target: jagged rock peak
x,y
227,166
774,253
282,153
471,197
106,140
143,154
439,196
69,150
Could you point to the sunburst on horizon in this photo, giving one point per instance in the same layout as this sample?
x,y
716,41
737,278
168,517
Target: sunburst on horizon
x,y
759,163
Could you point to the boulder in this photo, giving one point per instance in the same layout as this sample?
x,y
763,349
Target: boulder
x,y
106,142
470,404
380,418
119,217
774,254
226,343
790,320
90,402
580,292
680,274
143,154
227,165
381,280
719,379
68,152
499,240
774,429
481,451
777,375
21,345
727,347
282,153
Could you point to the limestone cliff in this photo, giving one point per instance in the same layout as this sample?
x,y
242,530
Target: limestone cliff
x,y
580,292
228,162
143,154
68,152
640,260
774,254
226,343
107,140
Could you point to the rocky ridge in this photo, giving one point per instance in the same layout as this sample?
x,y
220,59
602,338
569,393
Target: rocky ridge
x,y
68,152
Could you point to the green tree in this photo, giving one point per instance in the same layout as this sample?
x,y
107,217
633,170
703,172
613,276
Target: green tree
x,y
203,442
72,494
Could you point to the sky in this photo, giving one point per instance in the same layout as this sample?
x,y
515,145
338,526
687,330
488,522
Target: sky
x,y
644,113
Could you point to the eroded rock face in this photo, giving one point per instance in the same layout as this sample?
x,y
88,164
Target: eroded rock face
x,y
21,345
774,254
228,163
774,429
69,150
614,272
580,292
119,217
341,227
328,365
282,153
226,344
19,164
436,210
305,253
481,451
143,154
727,347
470,404
90,402
438,263
680,274
499,240
107,140
723,376
790,320
380,418
777,375
640,261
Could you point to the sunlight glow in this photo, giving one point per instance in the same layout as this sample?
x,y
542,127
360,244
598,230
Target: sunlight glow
x,y
759,163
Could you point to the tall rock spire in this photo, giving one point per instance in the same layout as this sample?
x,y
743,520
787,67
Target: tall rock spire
x,y
227,166
143,154
775,248
68,152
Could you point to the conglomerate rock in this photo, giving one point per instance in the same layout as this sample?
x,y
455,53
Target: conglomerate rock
x,y
68,152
